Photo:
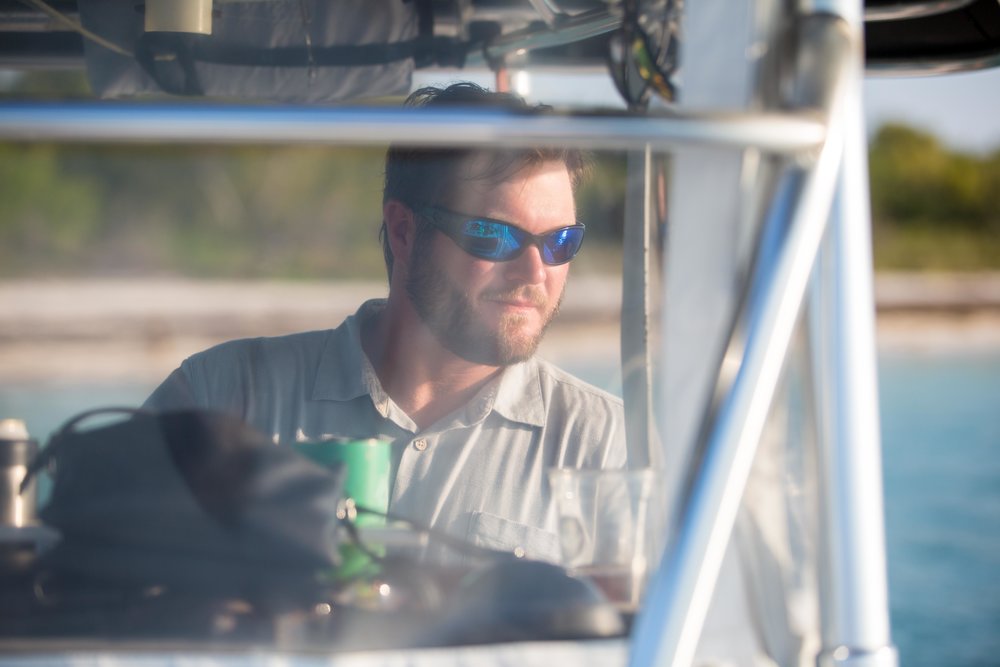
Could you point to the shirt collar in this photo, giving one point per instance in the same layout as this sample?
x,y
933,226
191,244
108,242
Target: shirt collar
x,y
519,394
345,373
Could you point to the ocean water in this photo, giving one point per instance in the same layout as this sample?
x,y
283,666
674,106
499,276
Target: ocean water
x,y
941,444
941,457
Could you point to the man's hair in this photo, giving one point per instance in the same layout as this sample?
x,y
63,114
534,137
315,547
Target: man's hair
x,y
419,176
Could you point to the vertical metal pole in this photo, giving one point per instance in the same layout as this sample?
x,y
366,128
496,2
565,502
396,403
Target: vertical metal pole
x,y
667,630
842,331
638,298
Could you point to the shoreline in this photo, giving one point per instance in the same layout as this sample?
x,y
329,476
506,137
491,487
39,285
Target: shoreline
x,y
121,330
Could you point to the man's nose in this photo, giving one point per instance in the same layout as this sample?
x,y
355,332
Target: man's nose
x,y
527,268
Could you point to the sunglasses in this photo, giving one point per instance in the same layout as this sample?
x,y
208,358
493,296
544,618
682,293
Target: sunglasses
x,y
499,241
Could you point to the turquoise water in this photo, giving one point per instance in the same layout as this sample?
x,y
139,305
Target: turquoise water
x,y
941,440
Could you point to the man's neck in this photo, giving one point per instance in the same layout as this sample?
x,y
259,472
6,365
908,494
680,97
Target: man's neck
x,y
423,378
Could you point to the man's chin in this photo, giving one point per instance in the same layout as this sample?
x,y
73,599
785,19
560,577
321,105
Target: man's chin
x,y
520,328
518,340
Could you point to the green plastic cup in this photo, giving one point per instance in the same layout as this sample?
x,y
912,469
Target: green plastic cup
x,y
368,462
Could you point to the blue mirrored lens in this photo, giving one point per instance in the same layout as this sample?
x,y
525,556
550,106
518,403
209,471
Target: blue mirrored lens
x,y
562,245
498,241
489,239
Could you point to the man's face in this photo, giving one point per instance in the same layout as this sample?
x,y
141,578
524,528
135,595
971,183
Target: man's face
x,y
495,313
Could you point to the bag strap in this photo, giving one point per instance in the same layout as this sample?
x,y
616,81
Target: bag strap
x,y
68,427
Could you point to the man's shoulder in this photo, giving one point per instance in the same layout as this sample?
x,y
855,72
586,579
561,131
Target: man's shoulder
x,y
294,342
261,349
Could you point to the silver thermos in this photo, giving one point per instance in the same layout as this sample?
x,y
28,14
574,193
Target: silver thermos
x,y
17,449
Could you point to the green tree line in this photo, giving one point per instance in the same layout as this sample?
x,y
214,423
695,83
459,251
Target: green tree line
x,y
240,212
933,208
247,212
314,212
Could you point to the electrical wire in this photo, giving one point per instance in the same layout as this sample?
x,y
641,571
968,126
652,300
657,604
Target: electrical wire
x,y
53,13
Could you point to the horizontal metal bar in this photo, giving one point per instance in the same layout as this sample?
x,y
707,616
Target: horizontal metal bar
x,y
47,62
138,123
26,19
907,67
912,10
575,29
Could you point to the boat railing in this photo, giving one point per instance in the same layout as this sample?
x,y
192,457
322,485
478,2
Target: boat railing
x,y
814,247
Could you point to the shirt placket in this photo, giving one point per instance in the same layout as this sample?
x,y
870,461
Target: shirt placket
x,y
414,462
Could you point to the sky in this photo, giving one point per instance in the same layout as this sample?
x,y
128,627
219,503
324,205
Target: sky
x,y
963,110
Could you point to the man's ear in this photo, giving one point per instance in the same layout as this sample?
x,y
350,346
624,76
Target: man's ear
x,y
400,230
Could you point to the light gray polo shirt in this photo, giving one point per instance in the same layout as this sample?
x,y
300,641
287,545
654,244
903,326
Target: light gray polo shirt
x,y
478,473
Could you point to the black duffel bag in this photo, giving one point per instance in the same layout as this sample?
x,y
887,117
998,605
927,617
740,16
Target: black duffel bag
x,y
190,499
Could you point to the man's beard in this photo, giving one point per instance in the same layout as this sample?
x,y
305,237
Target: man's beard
x,y
447,311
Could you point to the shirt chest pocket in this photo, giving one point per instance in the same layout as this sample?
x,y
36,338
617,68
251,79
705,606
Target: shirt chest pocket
x,y
524,541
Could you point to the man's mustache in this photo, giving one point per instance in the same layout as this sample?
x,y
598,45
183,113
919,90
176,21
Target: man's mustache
x,y
531,294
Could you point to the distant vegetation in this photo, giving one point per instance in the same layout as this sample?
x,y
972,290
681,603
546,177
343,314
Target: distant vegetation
x,y
313,212
240,212
933,208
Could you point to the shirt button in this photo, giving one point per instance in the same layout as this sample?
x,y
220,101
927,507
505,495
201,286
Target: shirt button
x,y
519,552
420,444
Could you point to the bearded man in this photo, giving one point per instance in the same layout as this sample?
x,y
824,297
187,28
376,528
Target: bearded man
x,y
477,246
